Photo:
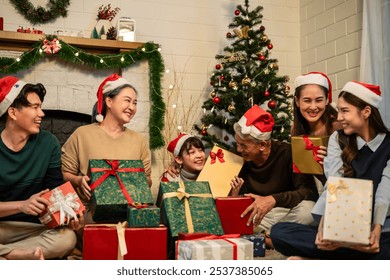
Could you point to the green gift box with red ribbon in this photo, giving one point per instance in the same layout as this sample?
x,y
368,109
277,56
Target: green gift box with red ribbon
x,y
143,217
305,153
115,184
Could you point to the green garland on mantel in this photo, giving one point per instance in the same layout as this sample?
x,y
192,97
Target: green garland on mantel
x,y
52,46
40,14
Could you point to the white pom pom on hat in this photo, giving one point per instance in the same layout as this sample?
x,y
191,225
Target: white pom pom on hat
x,y
257,122
175,145
315,78
10,88
366,92
109,84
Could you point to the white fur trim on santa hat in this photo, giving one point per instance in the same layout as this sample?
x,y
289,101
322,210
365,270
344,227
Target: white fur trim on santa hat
x,y
180,143
252,130
11,96
312,79
111,85
363,93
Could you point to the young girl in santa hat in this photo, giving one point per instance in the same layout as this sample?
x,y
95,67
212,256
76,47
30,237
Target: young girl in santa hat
x,y
313,111
360,150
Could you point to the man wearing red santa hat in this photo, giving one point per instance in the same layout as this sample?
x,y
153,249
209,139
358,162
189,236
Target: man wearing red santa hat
x,y
278,193
30,160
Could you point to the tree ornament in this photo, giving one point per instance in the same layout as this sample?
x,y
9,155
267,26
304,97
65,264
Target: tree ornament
x,y
226,138
228,35
216,100
264,38
246,81
262,57
267,93
231,108
218,66
262,28
253,83
222,77
237,12
272,104
233,84
212,94
270,46
242,32
204,132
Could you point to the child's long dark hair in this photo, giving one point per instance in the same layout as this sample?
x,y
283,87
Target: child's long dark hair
x,y
348,143
301,125
191,142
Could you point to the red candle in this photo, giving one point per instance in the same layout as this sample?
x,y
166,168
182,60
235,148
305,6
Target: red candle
x,y
1,23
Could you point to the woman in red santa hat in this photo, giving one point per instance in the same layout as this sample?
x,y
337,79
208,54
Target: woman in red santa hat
x,y
361,149
314,112
108,138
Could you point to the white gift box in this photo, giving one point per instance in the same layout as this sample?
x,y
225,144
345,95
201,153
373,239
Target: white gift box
x,y
348,210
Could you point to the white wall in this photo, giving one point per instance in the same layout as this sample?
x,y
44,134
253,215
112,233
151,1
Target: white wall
x,y
307,35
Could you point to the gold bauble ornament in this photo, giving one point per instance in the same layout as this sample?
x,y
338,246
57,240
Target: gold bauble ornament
x,y
246,81
233,84
264,38
212,94
231,108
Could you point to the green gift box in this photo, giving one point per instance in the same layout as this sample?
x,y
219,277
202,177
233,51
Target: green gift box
x,y
143,217
116,184
189,207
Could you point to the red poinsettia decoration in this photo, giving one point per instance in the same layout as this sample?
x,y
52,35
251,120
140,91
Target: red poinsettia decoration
x,y
106,12
51,46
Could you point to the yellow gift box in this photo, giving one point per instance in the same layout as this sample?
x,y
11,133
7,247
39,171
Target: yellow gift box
x,y
348,209
220,168
304,153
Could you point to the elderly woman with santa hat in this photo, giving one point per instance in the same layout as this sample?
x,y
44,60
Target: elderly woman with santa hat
x,y
361,149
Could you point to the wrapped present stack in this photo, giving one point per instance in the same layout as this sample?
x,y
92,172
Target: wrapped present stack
x,y
348,210
127,222
304,153
219,163
65,205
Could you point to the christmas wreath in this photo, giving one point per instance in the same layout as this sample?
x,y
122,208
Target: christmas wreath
x,y
40,14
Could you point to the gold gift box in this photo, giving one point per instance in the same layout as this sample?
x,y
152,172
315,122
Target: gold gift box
x,y
303,153
220,168
348,209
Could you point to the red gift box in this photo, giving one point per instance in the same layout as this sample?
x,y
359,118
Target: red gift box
x,y
230,210
64,206
117,241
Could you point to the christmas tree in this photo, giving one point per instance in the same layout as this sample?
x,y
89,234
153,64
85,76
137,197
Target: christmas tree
x,y
243,76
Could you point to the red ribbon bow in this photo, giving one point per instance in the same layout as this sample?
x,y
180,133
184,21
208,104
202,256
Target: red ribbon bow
x,y
114,172
218,155
311,146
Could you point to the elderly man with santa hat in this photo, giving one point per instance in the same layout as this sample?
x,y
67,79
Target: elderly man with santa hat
x,y
278,193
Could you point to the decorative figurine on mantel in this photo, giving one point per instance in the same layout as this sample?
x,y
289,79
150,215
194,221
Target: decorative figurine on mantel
x,y
104,16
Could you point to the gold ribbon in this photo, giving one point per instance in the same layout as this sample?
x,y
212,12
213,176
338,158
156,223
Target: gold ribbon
x,y
182,194
335,188
120,231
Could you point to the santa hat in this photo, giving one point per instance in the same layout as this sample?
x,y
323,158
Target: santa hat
x,y
10,88
109,84
366,92
315,78
175,145
257,123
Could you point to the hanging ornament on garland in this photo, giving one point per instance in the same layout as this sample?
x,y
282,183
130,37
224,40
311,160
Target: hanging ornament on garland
x,y
272,104
51,45
41,15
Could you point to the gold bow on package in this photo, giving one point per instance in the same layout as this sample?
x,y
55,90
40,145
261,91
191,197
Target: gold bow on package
x,y
220,168
348,210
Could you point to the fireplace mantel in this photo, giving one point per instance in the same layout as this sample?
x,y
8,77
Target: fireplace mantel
x,y
17,41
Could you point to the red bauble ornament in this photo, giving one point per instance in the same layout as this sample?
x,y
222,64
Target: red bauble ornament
x,y
270,46
272,104
218,66
222,77
267,93
262,28
237,12
228,35
262,57
204,132
226,138
216,100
